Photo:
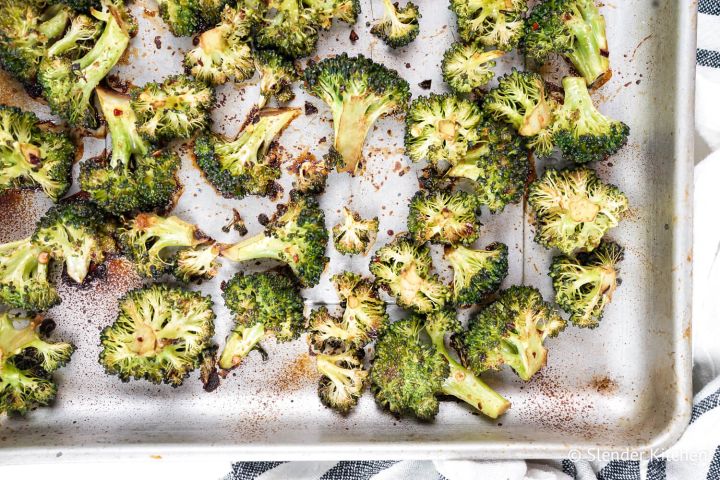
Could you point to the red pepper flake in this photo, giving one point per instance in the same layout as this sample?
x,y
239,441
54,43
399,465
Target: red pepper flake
x,y
535,26
117,112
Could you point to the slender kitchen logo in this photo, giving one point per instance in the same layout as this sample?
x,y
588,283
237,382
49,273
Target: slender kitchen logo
x,y
596,455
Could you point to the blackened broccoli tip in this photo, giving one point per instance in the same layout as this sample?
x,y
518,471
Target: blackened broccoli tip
x,y
343,379
328,10
212,12
277,75
511,331
467,67
574,29
477,273
24,282
295,235
441,128
220,56
574,209
311,172
27,361
289,27
443,217
355,235
160,335
176,108
584,284
181,16
264,304
361,301
582,133
399,25
403,268
358,92
493,23
245,165
32,155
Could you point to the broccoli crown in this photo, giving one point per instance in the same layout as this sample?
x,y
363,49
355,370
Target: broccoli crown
x,y
176,108
24,276
182,17
441,128
245,166
310,172
31,156
213,12
467,66
582,133
362,303
358,92
584,284
520,99
277,75
295,235
77,39
511,331
289,27
329,334
160,335
355,235
574,209
82,5
574,29
344,10
400,25
342,380
493,23
403,268
444,217
477,272
27,361
264,304
72,232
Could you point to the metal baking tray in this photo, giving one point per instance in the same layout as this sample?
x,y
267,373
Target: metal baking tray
x,y
625,385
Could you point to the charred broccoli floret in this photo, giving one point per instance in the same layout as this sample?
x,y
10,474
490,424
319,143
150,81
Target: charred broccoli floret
x,y
328,10
477,272
443,217
399,25
582,133
211,11
441,128
493,23
574,209
511,331
78,38
409,374
403,268
585,284
574,29
289,27
32,155
181,16
358,92
329,334
295,235
467,66
27,361
343,379
277,75
176,108
362,303
159,335
245,166
81,5
24,276
265,304
310,172
355,235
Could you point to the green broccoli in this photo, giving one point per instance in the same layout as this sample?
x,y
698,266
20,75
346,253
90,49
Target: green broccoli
x,y
181,16
327,10
467,66
310,172
574,209
477,272
78,39
585,284
493,23
358,92
24,283
211,12
246,165
289,27
160,335
399,26
264,304
355,236
81,5
444,217
361,302
276,76
342,380
329,334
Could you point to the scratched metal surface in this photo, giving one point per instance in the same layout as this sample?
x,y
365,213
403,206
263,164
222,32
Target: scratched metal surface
x,y
625,384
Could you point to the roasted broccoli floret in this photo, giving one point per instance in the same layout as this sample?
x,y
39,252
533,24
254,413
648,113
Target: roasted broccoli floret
x,y
476,273
277,75
574,29
310,172
467,66
289,27
134,177
295,235
81,5
444,217
176,108
582,133
159,335
212,11
355,235
399,25
196,263
403,268
574,209
441,128
409,374
264,304
78,38
245,166
511,331
330,334
585,284
521,100
343,379
27,361
358,92
493,23
329,10
361,300
181,16
24,276
31,155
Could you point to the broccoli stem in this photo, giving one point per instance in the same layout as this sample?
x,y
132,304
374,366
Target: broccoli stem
x,y
259,246
12,340
55,26
586,54
351,129
121,121
239,344
525,355
338,375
